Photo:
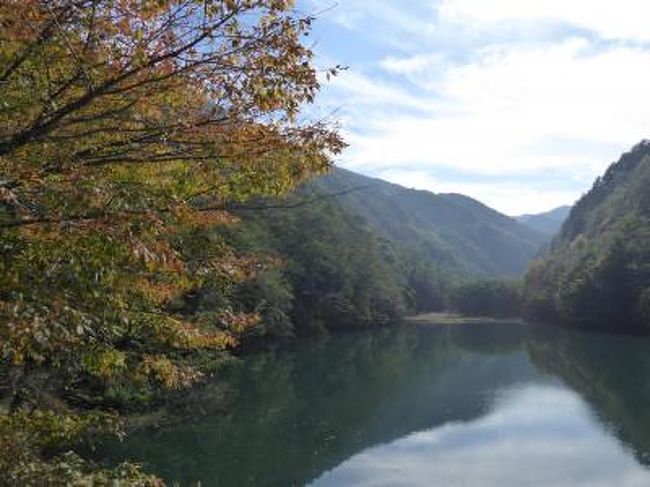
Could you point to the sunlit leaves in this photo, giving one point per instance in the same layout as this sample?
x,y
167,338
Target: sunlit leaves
x,y
167,373
24,436
128,128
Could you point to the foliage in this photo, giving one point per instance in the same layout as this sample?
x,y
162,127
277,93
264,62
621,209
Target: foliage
x,y
333,271
430,285
70,469
487,298
32,447
597,273
128,129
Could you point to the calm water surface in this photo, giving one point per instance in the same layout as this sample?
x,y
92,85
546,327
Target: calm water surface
x,y
462,405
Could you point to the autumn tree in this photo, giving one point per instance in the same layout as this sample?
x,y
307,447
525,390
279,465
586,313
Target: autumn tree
x,y
128,128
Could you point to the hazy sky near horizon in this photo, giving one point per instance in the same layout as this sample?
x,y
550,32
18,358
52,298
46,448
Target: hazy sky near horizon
x,y
518,103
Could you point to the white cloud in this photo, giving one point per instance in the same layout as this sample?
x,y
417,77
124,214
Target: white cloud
x,y
531,93
513,109
623,19
413,64
360,90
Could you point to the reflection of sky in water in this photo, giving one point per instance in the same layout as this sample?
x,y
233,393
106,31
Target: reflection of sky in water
x,y
535,435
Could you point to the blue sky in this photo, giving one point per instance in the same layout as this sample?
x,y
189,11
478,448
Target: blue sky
x,y
518,103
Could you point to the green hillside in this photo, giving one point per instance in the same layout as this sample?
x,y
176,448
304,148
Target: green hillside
x,y
331,271
454,231
354,252
597,272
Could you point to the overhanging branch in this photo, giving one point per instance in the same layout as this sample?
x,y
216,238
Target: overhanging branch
x,y
101,214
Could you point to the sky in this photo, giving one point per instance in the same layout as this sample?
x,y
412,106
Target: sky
x,y
520,104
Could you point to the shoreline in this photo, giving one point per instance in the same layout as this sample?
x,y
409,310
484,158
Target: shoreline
x,y
458,319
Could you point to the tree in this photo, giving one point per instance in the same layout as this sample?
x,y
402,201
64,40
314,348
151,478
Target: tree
x,y
488,298
128,128
596,272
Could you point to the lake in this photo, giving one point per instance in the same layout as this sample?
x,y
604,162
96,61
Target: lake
x,y
456,405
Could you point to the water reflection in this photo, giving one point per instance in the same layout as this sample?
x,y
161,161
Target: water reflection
x,y
534,435
460,405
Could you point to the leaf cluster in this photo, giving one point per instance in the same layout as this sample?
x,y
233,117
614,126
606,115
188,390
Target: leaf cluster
x,y
128,129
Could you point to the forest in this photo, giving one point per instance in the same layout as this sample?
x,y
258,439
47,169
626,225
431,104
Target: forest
x,y
166,204
596,273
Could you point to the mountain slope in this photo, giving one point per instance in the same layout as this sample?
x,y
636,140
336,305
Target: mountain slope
x,y
456,232
333,271
547,223
597,273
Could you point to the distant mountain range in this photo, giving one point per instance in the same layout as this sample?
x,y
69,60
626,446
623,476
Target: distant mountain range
x,y
547,223
456,232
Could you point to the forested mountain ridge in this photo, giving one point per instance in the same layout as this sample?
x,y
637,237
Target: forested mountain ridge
x,y
548,222
454,231
332,270
357,252
597,273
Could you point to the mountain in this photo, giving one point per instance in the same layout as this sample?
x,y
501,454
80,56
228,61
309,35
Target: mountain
x,y
454,231
331,272
597,273
547,223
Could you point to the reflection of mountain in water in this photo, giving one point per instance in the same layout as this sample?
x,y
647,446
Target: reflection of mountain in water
x,y
534,435
300,412
303,411
610,372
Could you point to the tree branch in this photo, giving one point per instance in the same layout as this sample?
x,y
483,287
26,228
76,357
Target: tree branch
x,y
99,214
